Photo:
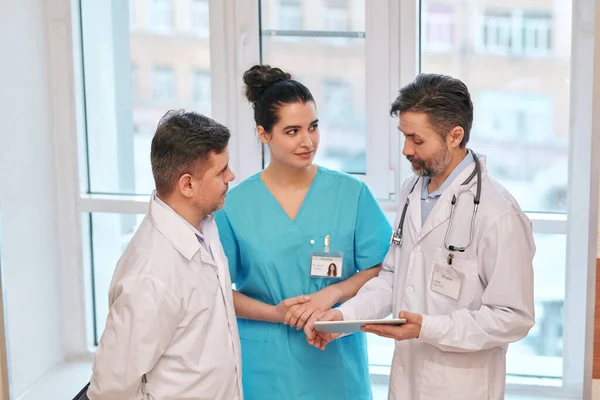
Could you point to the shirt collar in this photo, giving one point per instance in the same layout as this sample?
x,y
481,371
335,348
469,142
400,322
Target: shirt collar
x,y
182,235
468,160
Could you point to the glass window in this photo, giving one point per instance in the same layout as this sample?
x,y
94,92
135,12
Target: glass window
x,y
438,27
335,77
199,17
289,15
163,83
516,32
202,93
537,34
161,15
130,83
109,236
521,125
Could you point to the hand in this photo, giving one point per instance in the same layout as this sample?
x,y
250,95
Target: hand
x,y
299,314
410,330
321,339
283,308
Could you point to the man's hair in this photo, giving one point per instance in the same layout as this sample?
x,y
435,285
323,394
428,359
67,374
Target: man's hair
x,y
445,100
182,142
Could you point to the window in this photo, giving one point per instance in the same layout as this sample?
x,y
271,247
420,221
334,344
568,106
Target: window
x,y
161,16
353,55
537,34
342,148
517,33
438,28
521,123
289,15
342,121
202,95
163,84
199,19
337,18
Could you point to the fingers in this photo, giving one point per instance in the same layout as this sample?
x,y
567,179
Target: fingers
x,y
384,331
301,315
290,313
296,300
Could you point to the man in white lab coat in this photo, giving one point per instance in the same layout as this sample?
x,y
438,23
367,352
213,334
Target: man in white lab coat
x,y
171,331
459,268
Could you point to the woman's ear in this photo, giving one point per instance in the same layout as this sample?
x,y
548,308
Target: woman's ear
x,y
263,135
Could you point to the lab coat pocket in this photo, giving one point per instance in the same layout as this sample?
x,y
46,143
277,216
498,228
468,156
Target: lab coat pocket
x,y
451,383
465,276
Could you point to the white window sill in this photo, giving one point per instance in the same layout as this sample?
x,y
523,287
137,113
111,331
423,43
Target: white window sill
x,y
62,383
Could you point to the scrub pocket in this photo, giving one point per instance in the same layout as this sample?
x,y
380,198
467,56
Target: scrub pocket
x,y
451,383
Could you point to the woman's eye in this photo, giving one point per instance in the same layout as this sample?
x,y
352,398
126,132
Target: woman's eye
x,y
314,127
292,132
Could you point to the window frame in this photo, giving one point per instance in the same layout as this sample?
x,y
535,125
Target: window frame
x,y
242,50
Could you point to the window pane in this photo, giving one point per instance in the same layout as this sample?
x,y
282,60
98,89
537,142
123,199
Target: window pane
x,y
331,65
110,235
515,59
160,63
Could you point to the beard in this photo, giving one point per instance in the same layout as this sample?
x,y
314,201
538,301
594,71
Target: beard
x,y
434,166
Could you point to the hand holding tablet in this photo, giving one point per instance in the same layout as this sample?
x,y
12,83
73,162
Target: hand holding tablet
x,y
353,326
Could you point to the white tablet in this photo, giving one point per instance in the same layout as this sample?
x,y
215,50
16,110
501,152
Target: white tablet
x,y
354,326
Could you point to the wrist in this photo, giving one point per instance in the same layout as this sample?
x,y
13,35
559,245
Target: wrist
x,y
274,316
333,294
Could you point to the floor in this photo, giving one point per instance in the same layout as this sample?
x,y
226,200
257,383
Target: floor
x,y
66,381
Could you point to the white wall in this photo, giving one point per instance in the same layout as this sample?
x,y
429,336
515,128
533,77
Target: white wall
x,y
27,197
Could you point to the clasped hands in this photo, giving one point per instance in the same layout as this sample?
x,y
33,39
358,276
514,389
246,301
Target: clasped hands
x,y
302,311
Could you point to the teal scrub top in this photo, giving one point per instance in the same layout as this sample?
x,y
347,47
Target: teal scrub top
x,y
269,260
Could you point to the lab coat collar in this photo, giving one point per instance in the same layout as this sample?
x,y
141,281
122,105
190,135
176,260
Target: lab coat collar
x,y
174,229
442,208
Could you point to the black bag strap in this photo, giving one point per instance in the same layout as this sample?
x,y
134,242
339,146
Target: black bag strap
x,y
82,395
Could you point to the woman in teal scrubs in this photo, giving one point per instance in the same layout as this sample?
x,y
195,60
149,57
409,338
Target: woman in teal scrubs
x,y
271,226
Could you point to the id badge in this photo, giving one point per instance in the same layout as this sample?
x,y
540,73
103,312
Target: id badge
x,y
446,281
326,263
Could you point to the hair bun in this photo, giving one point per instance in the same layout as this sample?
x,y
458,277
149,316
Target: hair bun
x,y
259,77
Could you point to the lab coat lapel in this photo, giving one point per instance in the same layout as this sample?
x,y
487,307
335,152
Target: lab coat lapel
x,y
413,213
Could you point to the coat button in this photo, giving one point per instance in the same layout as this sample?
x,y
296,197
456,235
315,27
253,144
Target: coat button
x,y
417,249
410,289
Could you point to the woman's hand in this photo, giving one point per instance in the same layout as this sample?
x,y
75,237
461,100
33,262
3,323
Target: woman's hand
x,y
283,308
320,301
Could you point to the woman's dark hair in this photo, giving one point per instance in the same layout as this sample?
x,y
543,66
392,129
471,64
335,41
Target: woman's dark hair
x,y
334,269
445,100
270,88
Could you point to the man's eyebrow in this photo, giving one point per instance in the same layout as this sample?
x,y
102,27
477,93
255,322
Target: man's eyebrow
x,y
410,135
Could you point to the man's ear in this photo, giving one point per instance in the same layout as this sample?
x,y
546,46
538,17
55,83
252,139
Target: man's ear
x,y
184,185
456,136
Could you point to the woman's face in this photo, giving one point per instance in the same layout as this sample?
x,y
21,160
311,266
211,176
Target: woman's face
x,y
332,269
294,140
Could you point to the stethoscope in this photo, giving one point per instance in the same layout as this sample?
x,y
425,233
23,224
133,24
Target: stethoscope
x,y
399,233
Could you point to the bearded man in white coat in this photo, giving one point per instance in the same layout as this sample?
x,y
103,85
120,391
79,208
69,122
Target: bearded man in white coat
x,y
459,268
171,331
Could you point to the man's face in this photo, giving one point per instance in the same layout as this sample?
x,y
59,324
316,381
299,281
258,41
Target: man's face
x,y
211,182
426,150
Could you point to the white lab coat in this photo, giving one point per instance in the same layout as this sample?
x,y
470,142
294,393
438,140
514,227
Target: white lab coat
x,y
171,318
461,351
